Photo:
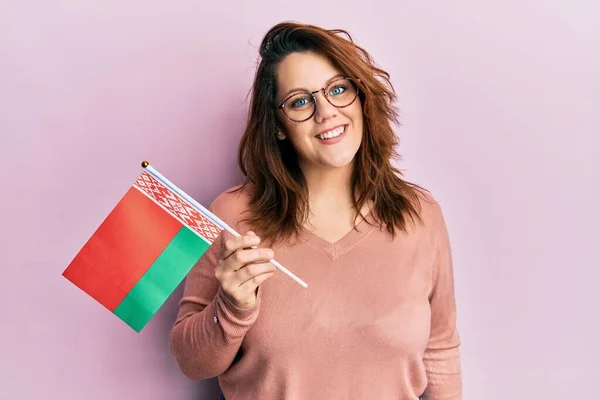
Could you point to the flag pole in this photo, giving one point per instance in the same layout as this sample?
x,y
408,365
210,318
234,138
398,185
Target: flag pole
x,y
146,165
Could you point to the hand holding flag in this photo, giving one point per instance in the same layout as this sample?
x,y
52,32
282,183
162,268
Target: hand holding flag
x,y
242,268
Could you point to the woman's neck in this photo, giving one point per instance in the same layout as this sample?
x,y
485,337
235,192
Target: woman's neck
x,y
329,190
332,213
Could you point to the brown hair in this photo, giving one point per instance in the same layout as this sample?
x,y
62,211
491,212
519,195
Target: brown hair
x,y
279,194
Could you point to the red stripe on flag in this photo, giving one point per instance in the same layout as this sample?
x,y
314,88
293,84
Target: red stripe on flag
x,y
122,249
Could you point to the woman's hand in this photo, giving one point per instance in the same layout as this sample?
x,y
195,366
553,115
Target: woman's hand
x,y
242,268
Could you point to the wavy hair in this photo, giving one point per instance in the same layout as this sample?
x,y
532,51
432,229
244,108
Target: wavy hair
x,y
279,195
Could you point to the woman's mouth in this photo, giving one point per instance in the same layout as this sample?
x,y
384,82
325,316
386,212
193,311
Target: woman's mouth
x,y
332,134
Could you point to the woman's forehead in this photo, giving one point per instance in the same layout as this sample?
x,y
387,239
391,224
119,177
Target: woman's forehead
x,y
308,71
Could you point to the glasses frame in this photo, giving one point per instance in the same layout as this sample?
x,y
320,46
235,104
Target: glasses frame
x,y
314,93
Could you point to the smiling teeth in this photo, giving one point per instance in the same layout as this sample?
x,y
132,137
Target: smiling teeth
x,y
331,134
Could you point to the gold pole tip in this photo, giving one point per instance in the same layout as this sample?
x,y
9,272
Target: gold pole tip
x,y
145,164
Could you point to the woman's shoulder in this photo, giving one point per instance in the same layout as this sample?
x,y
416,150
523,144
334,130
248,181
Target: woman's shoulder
x,y
232,204
428,207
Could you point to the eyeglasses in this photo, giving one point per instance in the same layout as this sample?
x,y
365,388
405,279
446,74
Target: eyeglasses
x,y
301,106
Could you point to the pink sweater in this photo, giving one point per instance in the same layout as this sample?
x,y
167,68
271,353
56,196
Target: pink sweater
x,y
377,321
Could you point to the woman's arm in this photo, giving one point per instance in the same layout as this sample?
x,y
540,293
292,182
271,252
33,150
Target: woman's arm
x,y
209,328
442,359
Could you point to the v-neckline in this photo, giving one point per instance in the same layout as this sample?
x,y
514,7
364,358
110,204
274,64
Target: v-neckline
x,y
339,247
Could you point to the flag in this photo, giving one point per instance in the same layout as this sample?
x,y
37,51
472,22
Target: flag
x,y
143,249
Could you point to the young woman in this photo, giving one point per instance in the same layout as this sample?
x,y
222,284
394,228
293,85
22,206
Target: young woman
x,y
378,320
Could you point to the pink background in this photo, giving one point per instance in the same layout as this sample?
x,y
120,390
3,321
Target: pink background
x,y
500,108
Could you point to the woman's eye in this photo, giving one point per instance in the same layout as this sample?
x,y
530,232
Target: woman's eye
x,y
337,90
299,102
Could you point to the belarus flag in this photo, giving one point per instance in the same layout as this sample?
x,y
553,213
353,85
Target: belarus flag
x,y
143,249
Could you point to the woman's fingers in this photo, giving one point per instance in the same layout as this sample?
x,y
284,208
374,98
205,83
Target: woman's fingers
x,y
243,267
232,245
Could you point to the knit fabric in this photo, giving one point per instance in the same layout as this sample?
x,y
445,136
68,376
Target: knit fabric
x,y
378,320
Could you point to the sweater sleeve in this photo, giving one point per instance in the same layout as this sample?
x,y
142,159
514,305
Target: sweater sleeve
x,y
441,358
209,328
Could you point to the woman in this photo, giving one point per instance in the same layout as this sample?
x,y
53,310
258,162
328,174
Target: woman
x,y
378,319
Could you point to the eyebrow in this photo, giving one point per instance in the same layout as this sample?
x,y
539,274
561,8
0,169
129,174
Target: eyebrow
x,y
327,82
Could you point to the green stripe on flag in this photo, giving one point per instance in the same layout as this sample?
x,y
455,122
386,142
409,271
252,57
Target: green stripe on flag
x,y
161,279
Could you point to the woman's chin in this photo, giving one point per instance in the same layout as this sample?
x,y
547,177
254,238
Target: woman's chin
x,y
340,162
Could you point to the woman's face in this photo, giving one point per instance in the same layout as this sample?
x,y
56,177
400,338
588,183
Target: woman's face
x,y
332,136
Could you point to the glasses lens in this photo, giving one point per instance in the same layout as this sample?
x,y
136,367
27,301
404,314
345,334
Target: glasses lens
x,y
300,106
342,92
